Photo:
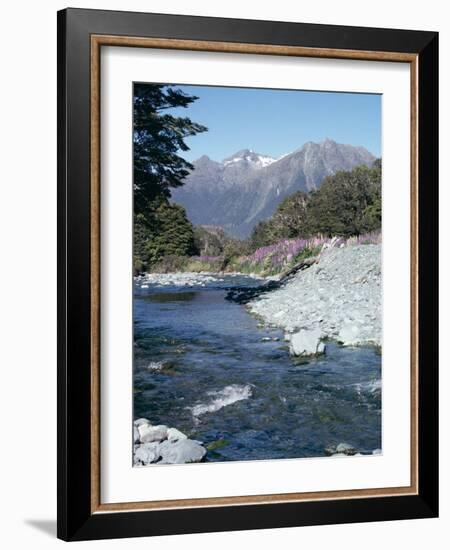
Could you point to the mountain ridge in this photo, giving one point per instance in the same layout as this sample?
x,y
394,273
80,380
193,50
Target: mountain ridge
x,y
246,187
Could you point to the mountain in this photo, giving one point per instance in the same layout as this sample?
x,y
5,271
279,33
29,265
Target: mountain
x,y
247,187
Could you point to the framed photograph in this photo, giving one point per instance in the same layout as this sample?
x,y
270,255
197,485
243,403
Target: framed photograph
x,y
247,274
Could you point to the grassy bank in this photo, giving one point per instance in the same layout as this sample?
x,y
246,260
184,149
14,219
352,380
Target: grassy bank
x,y
264,261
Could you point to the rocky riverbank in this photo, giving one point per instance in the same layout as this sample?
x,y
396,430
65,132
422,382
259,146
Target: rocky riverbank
x,y
338,297
186,279
163,445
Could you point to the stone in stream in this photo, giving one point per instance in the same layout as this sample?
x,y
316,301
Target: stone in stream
x,y
181,451
140,422
146,454
306,343
342,449
163,445
345,448
148,433
175,435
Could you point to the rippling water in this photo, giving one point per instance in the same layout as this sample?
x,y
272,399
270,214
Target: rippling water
x,y
205,366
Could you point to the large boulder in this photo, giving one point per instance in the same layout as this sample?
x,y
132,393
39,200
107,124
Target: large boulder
x,y
141,422
306,343
342,449
181,451
175,435
163,445
148,433
146,454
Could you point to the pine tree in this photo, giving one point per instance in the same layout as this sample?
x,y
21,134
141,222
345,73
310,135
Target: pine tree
x,y
158,137
164,231
160,228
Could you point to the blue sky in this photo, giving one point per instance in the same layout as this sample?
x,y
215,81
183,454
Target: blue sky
x,y
275,122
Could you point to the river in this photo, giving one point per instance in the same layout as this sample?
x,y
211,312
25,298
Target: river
x,y
207,367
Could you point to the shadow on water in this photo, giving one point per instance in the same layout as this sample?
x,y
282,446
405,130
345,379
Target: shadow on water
x,y
165,297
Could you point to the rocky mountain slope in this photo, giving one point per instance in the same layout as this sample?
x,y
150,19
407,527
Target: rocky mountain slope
x,y
247,187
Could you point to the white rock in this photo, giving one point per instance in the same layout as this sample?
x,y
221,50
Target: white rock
x,y
146,454
148,433
306,343
174,435
181,452
345,448
141,421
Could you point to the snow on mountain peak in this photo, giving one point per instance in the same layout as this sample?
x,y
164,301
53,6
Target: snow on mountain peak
x,y
265,160
248,156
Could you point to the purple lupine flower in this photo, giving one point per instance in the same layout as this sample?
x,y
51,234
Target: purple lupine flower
x,y
281,254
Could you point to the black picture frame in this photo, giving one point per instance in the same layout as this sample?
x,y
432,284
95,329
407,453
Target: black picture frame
x,y
75,518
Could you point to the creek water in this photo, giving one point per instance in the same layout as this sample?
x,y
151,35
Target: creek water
x,y
206,366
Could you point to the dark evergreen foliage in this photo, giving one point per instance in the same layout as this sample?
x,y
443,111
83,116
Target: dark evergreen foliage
x,y
163,231
157,139
160,228
347,203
